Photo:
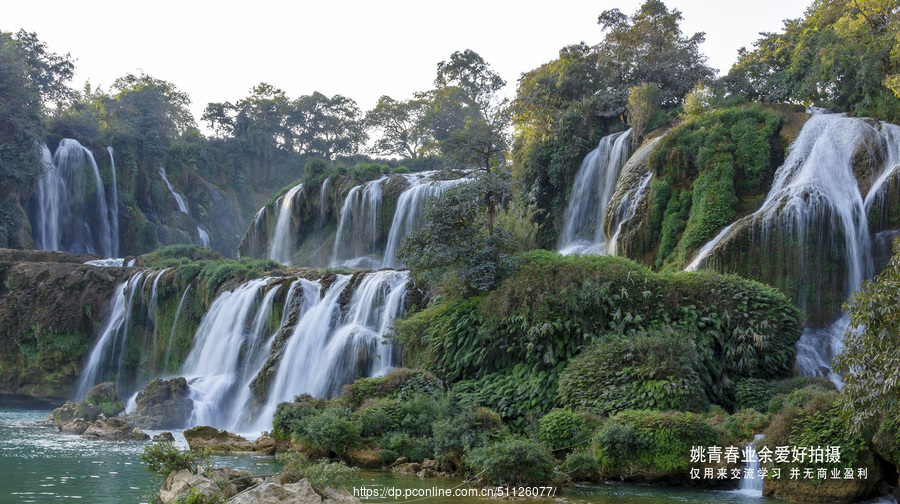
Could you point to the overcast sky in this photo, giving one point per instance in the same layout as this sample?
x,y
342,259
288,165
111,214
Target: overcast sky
x,y
216,51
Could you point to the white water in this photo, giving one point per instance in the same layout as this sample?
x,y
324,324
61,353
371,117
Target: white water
x,y
107,263
212,367
815,192
174,326
627,209
327,350
178,199
594,186
114,208
751,484
357,235
280,243
68,209
204,236
108,352
411,211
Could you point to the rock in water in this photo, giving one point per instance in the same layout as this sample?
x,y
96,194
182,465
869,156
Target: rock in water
x,y
163,404
204,436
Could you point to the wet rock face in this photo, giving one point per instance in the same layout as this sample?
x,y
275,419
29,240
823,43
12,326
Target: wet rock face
x,y
163,404
50,305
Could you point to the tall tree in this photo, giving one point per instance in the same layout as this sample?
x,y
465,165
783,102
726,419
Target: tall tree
x,y
328,126
401,124
843,54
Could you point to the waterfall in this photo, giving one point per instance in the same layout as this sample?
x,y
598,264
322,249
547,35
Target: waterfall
x,y
323,207
109,351
182,207
280,243
327,350
751,483
114,207
628,208
815,206
178,199
357,235
68,209
411,211
214,366
594,185
174,326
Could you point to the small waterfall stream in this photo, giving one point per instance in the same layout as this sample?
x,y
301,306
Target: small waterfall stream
x,y
114,208
751,484
182,206
280,243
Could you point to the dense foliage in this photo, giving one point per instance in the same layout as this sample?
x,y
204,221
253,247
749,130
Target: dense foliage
x,y
870,360
842,54
509,347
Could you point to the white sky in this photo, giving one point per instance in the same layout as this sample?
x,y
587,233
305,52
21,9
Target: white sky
x,y
216,51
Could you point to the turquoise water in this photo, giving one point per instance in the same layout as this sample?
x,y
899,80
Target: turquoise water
x,y
38,464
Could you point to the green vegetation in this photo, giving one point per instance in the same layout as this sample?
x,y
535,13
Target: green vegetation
x,y
871,392
508,348
321,474
163,458
706,167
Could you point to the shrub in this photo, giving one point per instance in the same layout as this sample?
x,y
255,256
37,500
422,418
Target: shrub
x,y
512,461
581,465
330,430
656,369
402,444
321,474
472,428
562,430
289,416
163,458
652,441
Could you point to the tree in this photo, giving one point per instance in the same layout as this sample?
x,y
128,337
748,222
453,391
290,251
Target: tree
x,y
642,103
30,77
469,118
454,246
870,361
649,47
401,124
328,126
843,54
151,112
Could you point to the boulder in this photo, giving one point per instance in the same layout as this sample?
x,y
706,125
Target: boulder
x,y
163,437
366,459
407,468
163,404
181,483
104,392
301,492
114,429
222,441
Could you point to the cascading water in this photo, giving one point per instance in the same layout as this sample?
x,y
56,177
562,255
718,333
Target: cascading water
x,y
816,206
357,235
182,206
327,350
594,186
114,207
214,365
68,209
174,326
411,211
178,199
280,243
109,351
752,483
628,208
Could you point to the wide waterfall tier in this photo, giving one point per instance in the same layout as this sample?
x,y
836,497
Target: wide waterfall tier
x,y
595,183
69,209
813,235
343,223
258,343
